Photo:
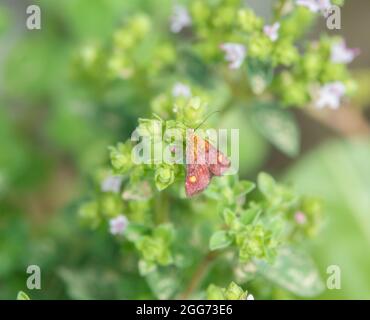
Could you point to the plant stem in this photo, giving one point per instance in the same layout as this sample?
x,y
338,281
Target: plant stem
x,y
198,275
162,207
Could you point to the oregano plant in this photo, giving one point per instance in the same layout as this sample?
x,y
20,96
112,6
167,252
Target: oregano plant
x,y
202,230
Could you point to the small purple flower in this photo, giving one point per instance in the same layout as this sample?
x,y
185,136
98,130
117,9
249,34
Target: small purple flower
x,y
181,90
340,53
330,95
315,5
272,31
300,217
324,5
118,225
111,184
311,5
235,54
180,19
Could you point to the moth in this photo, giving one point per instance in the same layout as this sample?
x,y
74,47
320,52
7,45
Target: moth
x,y
203,161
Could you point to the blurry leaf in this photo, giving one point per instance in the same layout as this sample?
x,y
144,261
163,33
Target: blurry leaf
x,y
146,267
134,231
215,293
243,187
4,19
339,173
196,68
219,240
89,283
165,232
293,271
247,216
163,284
266,184
229,216
252,147
22,296
278,126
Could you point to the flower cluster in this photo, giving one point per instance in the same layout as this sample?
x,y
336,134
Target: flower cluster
x,y
232,292
257,228
221,54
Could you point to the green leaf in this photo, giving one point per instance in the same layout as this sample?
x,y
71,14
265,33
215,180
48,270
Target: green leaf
x,y
266,184
243,187
146,267
247,216
338,172
294,271
219,240
135,231
229,216
165,232
22,296
278,126
234,292
164,284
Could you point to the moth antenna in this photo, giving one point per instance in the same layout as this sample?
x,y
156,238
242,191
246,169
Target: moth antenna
x,y
206,118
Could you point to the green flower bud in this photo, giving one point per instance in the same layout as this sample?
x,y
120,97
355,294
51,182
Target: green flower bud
x,y
156,248
311,65
248,21
259,47
193,111
253,242
150,248
124,40
165,232
150,128
119,66
164,176
284,53
224,17
297,23
140,25
120,157
294,92
89,213
200,12
163,56
234,292
111,205
162,105
128,36
334,72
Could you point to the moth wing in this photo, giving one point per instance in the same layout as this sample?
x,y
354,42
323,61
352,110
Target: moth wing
x,y
218,163
197,179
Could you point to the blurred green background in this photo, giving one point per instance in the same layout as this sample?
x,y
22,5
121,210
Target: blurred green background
x,y
54,132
